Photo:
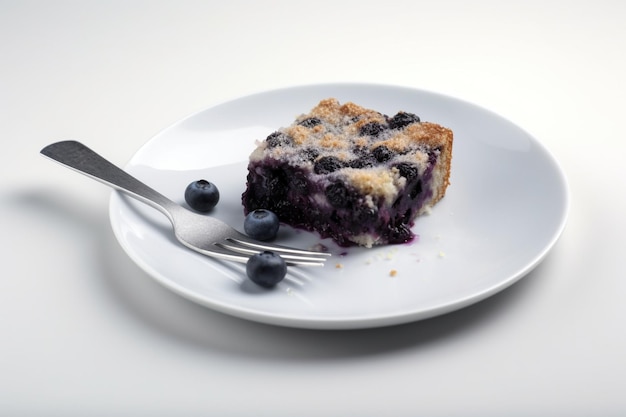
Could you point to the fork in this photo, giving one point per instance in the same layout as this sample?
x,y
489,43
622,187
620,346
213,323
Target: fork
x,y
201,233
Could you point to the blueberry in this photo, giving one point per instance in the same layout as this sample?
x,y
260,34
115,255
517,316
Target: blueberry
x,y
382,153
400,234
361,150
365,161
300,184
267,188
278,139
402,119
408,171
327,164
202,195
309,154
261,224
366,215
338,195
416,190
310,122
274,183
266,269
372,129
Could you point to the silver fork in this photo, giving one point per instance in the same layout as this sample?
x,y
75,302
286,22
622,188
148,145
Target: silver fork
x,y
201,233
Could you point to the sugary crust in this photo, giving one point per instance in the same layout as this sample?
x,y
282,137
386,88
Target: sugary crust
x,y
334,112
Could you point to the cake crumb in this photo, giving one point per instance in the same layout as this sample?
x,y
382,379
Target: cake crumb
x,y
393,273
339,266
390,254
442,254
319,248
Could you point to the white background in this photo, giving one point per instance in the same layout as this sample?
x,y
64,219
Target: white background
x,y
85,332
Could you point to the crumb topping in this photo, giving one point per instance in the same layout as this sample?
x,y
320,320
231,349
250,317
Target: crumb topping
x,y
378,182
300,134
330,140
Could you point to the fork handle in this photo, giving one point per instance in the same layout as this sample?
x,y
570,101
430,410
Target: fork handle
x,y
80,158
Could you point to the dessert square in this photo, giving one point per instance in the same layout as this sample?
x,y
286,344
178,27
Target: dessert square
x,y
350,173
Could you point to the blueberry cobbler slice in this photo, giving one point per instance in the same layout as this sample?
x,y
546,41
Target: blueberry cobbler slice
x,y
350,173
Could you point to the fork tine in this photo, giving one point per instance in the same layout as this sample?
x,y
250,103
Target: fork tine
x,y
286,255
282,250
292,260
220,251
238,254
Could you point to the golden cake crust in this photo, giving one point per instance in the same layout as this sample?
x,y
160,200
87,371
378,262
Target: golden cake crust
x,y
440,137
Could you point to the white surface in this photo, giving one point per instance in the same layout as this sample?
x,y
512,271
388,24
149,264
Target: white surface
x,y
87,332
504,211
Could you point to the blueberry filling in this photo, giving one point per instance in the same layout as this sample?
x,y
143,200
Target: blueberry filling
x,y
347,215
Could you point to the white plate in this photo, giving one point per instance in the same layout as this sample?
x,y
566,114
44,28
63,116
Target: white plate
x,y
504,210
